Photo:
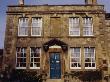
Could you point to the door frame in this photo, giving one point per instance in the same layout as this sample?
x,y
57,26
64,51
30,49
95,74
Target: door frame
x,y
59,59
56,50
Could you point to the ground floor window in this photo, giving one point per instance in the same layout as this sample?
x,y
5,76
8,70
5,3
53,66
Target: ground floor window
x,y
89,58
35,53
20,58
82,57
75,58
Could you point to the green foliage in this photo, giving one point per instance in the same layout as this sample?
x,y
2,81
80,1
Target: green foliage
x,y
89,75
23,76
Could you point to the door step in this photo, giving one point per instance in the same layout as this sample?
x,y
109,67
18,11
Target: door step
x,y
54,80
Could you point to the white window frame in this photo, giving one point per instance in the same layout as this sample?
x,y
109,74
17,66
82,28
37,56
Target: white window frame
x,y
38,25
90,58
72,49
87,26
24,19
74,26
24,50
35,57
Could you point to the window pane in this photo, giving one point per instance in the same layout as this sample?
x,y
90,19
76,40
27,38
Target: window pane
x,y
75,60
36,26
32,54
89,57
87,26
74,28
23,26
87,64
74,65
93,59
75,57
22,64
31,59
87,60
31,65
18,60
38,64
20,57
35,57
93,64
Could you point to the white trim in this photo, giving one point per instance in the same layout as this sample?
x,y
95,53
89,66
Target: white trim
x,y
90,57
77,57
74,21
35,57
20,57
20,67
90,67
34,67
90,31
75,67
19,27
55,46
40,27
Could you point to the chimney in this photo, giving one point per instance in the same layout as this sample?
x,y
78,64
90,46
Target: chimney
x,y
21,2
90,2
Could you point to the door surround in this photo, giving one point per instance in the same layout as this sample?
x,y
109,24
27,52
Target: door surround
x,y
56,50
55,65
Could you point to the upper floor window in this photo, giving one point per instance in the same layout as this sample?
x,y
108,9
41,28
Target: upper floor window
x,y
35,58
23,27
21,58
36,29
87,26
89,58
74,26
75,60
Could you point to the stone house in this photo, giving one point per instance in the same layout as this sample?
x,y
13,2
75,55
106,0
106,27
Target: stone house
x,y
69,43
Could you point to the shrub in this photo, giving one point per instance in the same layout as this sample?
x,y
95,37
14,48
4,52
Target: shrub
x,y
22,76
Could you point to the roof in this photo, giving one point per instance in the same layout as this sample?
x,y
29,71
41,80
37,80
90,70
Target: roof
x,y
1,51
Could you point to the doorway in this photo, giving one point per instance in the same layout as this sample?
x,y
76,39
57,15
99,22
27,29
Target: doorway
x,y
55,66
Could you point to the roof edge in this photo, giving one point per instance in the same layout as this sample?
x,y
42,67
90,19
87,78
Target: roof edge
x,y
54,5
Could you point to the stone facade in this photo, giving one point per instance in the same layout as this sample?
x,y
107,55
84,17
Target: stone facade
x,y
56,26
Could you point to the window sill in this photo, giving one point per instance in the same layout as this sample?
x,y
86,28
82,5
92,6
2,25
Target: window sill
x,y
35,36
23,35
75,67
82,36
34,67
20,67
30,36
90,67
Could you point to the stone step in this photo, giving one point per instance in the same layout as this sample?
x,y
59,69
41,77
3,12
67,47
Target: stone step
x,y
54,80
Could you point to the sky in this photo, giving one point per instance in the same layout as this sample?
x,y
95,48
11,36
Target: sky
x,y
5,3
